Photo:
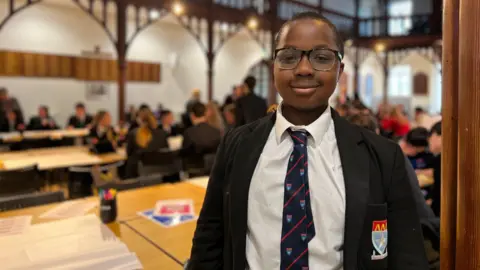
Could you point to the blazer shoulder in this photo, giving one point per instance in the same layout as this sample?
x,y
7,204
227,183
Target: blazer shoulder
x,y
378,143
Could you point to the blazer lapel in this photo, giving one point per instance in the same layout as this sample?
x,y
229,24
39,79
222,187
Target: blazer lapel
x,y
246,157
355,163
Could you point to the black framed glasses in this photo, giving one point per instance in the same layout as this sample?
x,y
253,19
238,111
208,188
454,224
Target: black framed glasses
x,y
321,59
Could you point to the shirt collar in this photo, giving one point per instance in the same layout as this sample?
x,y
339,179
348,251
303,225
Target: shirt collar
x,y
316,129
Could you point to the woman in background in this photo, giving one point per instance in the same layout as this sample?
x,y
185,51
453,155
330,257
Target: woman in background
x,y
145,138
214,118
102,135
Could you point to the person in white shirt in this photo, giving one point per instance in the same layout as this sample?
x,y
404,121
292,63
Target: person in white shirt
x,y
303,188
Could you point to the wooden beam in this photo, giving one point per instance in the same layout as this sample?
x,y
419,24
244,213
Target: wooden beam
x,y
468,186
396,43
449,135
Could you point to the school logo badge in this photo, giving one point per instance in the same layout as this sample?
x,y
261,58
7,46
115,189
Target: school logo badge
x,y
379,239
289,186
289,251
302,172
289,218
291,158
304,236
302,203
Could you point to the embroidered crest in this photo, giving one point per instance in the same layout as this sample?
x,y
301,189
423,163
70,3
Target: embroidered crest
x,y
288,186
289,218
302,145
304,236
289,251
380,237
302,203
291,158
302,172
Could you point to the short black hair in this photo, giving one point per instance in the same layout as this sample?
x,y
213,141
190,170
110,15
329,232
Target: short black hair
x,y
250,81
314,16
418,137
80,105
165,113
436,128
419,110
199,109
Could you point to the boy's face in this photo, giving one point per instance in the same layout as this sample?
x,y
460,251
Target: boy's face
x,y
435,143
303,87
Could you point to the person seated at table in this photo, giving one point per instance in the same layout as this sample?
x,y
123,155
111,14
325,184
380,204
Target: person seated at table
x,y
167,125
229,116
43,121
80,119
144,108
199,139
146,138
415,147
102,135
13,123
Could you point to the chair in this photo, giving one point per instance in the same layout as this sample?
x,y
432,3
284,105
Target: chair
x,y
80,179
143,181
30,200
19,181
163,162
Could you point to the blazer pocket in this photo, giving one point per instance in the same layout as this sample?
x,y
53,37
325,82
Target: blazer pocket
x,y
377,233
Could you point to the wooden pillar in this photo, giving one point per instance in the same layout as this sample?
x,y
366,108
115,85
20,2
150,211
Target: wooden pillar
x,y
210,51
121,56
272,92
386,73
449,135
468,206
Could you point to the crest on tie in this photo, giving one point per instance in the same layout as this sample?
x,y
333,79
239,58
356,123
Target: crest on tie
x,y
302,145
304,236
302,203
302,172
288,186
289,251
291,158
289,218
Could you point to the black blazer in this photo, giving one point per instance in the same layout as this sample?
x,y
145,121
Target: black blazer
x,y
75,122
249,108
376,186
36,124
134,151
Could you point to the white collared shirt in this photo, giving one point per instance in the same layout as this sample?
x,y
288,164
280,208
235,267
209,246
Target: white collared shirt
x,y
327,194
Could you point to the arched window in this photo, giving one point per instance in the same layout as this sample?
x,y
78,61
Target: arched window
x,y
261,72
400,81
368,98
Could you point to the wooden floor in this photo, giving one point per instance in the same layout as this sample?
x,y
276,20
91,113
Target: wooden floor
x,y
157,247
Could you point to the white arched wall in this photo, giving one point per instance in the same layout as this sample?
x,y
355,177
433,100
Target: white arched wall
x,y
60,27
48,28
420,64
372,66
233,62
183,66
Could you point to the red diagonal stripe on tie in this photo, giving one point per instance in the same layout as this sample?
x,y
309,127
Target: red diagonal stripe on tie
x,y
299,256
306,193
294,227
293,195
298,139
309,224
295,165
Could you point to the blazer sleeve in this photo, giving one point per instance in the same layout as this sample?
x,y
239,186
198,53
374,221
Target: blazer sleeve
x,y
405,239
207,249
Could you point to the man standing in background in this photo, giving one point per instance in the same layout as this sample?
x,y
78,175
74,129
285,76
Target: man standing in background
x,y
249,107
8,104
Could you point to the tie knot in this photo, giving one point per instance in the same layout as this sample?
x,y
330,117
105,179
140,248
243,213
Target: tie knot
x,y
298,136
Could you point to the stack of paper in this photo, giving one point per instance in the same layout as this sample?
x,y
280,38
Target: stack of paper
x,y
14,225
75,243
69,209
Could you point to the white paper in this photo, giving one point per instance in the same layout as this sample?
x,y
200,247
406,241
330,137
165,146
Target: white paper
x,y
75,243
14,225
70,209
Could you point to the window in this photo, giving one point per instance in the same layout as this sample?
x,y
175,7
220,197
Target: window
x,y
402,24
400,82
436,106
261,72
368,99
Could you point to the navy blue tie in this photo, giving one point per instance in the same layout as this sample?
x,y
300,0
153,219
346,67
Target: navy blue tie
x,y
297,226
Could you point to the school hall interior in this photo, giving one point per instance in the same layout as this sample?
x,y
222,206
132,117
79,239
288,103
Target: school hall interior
x,y
111,112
